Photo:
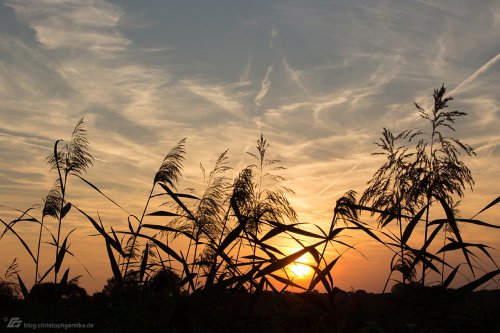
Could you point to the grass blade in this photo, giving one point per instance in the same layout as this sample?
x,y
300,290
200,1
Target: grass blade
x,y
411,225
102,193
459,246
367,231
189,278
65,210
450,277
144,263
476,283
8,227
22,286
170,229
114,265
279,228
454,227
491,204
321,275
162,213
236,231
471,221
64,279
283,262
286,281
116,245
46,273
165,248
177,200
180,195
60,255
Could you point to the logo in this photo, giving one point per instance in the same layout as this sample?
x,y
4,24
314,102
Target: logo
x,y
15,322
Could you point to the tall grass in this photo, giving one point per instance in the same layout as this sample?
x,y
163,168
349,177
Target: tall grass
x,y
424,169
232,226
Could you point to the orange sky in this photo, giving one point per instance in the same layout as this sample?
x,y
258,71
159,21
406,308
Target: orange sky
x,y
320,81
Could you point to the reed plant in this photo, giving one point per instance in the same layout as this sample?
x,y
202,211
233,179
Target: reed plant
x,y
424,169
70,158
231,227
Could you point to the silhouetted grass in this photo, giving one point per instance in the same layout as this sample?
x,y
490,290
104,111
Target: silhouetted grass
x,y
232,275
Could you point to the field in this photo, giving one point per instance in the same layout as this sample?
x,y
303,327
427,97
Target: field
x,y
410,310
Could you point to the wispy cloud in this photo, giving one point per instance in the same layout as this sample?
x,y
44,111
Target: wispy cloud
x,y
295,76
245,75
74,24
274,35
27,141
145,79
23,140
265,85
216,94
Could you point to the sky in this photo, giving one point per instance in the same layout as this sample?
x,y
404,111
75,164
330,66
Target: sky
x,y
319,79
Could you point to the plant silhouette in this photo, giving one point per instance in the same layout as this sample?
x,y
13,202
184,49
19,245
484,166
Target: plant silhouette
x,y
231,229
69,158
423,168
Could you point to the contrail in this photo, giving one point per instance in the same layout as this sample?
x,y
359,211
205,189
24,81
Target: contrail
x,y
21,139
468,80
480,71
337,179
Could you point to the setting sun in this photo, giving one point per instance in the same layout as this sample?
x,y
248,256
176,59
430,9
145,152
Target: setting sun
x,y
300,268
249,166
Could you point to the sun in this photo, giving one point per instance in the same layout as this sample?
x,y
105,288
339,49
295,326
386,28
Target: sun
x,y
300,268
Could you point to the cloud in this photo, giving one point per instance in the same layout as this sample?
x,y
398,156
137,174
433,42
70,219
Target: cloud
x,y
245,75
265,85
215,94
55,85
335,108
144,80
27,73
22,140
274,35
89,26
295,76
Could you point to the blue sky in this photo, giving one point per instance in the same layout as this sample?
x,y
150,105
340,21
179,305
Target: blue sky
x,y
320,79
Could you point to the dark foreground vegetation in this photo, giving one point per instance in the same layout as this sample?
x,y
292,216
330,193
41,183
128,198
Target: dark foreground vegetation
x,y
406,309
208,260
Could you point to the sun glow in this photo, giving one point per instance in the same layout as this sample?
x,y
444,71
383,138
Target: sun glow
x,y
300,268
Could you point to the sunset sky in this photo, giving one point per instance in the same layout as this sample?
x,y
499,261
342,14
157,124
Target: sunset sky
x,y
320,80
